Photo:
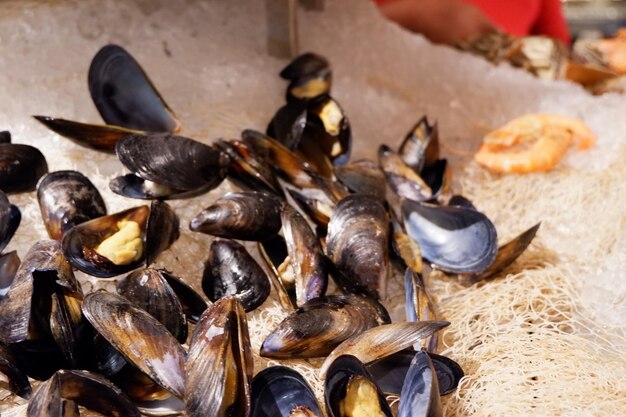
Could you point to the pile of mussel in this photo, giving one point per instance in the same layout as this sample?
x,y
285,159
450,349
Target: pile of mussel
x,y
314,216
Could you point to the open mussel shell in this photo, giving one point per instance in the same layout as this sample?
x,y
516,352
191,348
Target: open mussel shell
x,y
174,163
125,96
405,182
420,147
304,65
67,198
274,252
317,210
219,365
390,372
9,264
330,128
507,254
362,176
306,256
357,243
279,391
453,239
288,124
349,386
21,166
148,290
17,379
99,137
87,389
193,304
310,77
80,243
420,392
419,306
139,337
321,324
10,218
384,340
247,169
439,178
246,215
26,309
230,270
162,230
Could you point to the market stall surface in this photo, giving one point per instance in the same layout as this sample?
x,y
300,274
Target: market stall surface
x,y
544,338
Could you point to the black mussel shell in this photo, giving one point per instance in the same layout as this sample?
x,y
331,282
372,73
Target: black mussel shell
x,y
162,230
405,182
9,263
246,215
453,239
321,324
10,218
67,198
304,65
507,254
330,128
420,392
310,77
18,381
21,166
278,390
362,176
306,256
80,242
193,304
176,162
344,371
125,96
27,308
99,137
439,178
274,253
420,147
90,390
139,337
230,270
288,124
390,372
219,365
105,358
358,244
317,210
148,290
133,186
247,169
460,201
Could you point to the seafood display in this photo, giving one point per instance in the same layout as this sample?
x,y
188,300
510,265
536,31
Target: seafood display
x,y
328,241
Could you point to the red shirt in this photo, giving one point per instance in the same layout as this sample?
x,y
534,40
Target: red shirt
x,y
523,17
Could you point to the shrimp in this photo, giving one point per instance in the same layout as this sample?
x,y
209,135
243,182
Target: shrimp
x,y
534,142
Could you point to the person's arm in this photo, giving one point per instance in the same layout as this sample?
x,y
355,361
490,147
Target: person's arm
x,y
443,21
550,21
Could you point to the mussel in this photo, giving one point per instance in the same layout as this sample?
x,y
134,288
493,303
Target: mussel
x,y
405,182
9,263
150,291
279,391
21,166
167,166
219,365
10,218
124,95
420,147
139,337
507,253
246,215
420,393
310,76
357,242
120,242
67,388
321,324
362,176
453,239
17,379
67,198
350,390
230,270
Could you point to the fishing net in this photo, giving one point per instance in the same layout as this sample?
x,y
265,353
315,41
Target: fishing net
x,y
545,337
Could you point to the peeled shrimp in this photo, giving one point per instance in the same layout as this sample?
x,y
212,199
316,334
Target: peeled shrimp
x,y
534,142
